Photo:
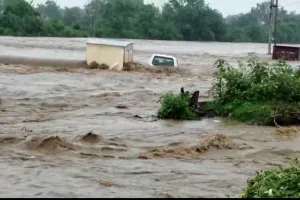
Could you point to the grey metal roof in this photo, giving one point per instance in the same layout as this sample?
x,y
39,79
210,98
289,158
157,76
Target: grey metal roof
x,y
108,42
288,45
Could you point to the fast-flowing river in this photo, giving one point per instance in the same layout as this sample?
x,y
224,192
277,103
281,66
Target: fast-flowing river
x,y
46,114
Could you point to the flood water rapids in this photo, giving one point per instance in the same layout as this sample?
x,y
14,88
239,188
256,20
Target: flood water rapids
x,y
90,133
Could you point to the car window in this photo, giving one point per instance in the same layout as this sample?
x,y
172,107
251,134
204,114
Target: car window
x,y
158,60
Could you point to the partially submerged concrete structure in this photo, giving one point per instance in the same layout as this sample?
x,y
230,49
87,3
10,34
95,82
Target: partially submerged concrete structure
x,y
109,52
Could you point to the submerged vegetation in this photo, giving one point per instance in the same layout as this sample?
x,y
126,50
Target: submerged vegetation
x,y
275,183
183,106
176,106
257,92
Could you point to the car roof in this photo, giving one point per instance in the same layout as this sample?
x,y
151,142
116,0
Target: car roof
x,y
163,55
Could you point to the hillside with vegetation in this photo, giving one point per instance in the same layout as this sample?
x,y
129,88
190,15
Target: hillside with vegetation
x,y
191,20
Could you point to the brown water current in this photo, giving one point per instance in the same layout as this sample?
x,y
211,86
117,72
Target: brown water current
x,y
90,133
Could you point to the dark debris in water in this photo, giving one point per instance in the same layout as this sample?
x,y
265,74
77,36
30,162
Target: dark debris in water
x,y
122,106
92,138
199,108
95,65
151,118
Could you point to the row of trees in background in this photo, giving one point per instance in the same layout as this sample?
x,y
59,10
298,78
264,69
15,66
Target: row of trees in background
x,y
254,25
191,20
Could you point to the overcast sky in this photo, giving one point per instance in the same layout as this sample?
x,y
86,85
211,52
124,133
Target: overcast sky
x,y
227,7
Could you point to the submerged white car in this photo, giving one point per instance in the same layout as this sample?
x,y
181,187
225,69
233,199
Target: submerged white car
x,y
162,60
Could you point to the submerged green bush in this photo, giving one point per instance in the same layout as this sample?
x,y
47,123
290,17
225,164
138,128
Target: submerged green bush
x,y
257,92
175,106
275,183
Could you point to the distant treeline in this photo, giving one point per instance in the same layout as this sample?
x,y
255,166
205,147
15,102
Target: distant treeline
x,y
191,20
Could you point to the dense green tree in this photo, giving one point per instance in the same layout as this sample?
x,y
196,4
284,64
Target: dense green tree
x,y
148,21
196,20
4,4
50,10
72,16
118,18
20,8
92,15
21,18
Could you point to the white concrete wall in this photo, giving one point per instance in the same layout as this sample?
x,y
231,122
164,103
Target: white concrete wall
x,y
126,55
130,54
102,54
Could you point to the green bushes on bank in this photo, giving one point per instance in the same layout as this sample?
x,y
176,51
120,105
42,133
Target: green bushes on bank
x,y
176,106
257,92
275,183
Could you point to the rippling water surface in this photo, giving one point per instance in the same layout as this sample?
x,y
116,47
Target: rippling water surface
x,y
89,133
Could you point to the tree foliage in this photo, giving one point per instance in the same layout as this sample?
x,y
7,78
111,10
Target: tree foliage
x,y
50,10
176,106
20,18
254,25
192,20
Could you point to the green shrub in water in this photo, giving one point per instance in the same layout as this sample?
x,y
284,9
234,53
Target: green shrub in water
x,y
275,183
175,106
257,92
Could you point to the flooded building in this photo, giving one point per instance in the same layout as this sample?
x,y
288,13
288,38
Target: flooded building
x,y
286,52
112,53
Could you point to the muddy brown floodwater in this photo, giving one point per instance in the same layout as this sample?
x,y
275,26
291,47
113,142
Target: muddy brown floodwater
x,y
90,133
